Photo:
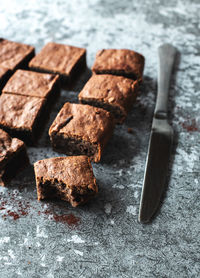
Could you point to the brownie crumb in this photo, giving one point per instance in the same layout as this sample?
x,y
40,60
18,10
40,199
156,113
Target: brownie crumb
x,y
130,130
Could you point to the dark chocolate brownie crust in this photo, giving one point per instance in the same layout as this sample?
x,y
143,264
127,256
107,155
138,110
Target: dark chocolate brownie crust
x,y
62,59
113,93
4,76
68,178
21,116
30,83
125,62
15,55
13,157
81,129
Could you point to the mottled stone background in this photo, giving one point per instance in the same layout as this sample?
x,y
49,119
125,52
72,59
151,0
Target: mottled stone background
x,y
104,238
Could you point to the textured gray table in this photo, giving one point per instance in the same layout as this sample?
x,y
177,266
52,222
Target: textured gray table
x,y
104,238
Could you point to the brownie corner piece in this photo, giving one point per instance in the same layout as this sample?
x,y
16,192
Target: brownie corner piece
x,y
14,55
65,60
25,118
81,129
124,62
115,94
13,157
70,179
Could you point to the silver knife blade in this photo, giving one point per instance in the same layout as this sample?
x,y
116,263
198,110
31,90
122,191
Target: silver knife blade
x,y
160,143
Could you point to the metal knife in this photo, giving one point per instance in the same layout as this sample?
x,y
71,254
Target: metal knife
x,y
161,139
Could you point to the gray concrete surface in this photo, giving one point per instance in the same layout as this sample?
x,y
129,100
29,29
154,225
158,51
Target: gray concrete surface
x,y
104,239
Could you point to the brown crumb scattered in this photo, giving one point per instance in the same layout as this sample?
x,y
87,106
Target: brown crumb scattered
x,y
18,210
69,219
190,125
29,262
130,130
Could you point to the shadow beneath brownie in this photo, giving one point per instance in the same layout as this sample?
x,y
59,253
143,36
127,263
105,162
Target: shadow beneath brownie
x,y
148,84
131,138
107,198
24,179
142,110
78,81
120,150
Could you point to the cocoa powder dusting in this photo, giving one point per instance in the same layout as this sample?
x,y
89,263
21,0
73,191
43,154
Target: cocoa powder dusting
x,y
190,125
12,214
69,219
130,130
19,208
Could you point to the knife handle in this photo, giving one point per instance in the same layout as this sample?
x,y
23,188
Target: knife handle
x,y
166,54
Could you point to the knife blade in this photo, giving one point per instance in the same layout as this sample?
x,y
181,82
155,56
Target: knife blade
x,y
161,139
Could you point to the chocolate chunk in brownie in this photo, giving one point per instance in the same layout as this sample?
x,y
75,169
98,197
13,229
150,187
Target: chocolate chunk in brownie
x,y
30,83
64,60
13,157
4,76
22,116
113,93
125,62
15,55
81,129
67,178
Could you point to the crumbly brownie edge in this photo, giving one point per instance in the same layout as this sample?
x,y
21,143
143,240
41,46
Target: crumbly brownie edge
x,y
22,134
52,188
17,162
75,146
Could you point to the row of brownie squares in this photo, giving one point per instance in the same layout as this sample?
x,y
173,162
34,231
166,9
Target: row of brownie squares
x,y
61,59
67,60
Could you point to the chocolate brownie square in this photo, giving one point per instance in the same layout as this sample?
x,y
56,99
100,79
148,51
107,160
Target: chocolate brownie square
x,y
22,116
81,130
125,62
13,157
30,83
4,76
14,55
67,178
113,93
64,60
